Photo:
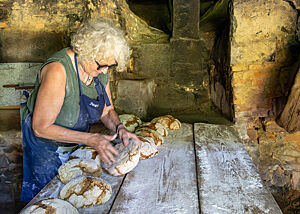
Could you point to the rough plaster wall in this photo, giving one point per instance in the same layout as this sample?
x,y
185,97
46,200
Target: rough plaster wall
x,y
263,55
12,73
262,31
32,30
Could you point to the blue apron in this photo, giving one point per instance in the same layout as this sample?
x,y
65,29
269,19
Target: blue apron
x,y
42,157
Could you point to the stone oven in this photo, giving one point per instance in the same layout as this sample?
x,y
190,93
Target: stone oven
x,y
233,62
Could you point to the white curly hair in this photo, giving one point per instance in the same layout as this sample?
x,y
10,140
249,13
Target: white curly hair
x,y
100,38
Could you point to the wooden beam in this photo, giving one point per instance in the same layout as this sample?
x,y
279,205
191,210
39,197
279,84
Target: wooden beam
x,y
3,25
19,87
165,183
13,107
229,180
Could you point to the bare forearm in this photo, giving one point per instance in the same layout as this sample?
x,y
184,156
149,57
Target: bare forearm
x,y
111,120
61,134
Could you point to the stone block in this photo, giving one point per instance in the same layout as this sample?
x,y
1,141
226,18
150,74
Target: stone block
x,y
6,194
186,15
29,46
271,126
184,103
289,119
134,96
279,177
192,52
264,66
296,180
285,159
152,60
240,67
185,75
252,133
262,31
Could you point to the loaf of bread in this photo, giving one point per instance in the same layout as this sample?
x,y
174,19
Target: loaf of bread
x,y
78,167
127,158
161,129
146,132
85,152
86,192
168,121
148,148
50,206
130,121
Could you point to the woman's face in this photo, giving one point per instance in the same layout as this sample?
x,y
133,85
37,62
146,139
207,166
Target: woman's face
x,y
98,66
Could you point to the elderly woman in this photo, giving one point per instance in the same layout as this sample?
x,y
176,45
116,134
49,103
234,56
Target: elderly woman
x,y
71,92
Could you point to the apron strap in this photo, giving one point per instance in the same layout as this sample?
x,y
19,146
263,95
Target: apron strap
x,y
75,58
103,91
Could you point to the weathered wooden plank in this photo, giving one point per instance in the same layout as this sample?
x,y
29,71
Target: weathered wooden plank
x,y
54,186
51,190
165,183
228,179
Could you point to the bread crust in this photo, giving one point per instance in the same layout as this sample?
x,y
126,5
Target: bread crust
x,y
126,160
146,132
78,167
86,191
130,121
148,148
168,121
50,206
161,129
85,152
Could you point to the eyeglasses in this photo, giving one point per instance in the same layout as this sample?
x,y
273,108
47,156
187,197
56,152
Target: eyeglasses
x,y
104,66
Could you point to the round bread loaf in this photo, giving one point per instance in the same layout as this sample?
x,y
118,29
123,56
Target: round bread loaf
x,y
86,192
127,158
148,148
146,132
50,206
161,129
130,121
85,152
168,121
78,167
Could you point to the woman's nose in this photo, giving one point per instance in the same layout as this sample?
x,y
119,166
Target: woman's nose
x,y
103,70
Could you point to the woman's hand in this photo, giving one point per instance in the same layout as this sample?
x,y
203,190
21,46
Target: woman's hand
x,y
125,135
101,143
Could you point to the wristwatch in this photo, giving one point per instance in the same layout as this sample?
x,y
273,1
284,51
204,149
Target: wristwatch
x,y
118,140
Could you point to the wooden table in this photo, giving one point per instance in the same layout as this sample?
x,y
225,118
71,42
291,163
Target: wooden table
x,y
219,177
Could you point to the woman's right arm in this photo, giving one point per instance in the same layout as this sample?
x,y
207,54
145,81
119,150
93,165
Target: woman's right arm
x,y
49,101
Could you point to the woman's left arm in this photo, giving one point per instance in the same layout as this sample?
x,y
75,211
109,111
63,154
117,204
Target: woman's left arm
x,y
111,120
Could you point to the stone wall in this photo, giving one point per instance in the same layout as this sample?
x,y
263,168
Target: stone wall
x,y
31,30
264,62
276,153
177,71
10,169
264,55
